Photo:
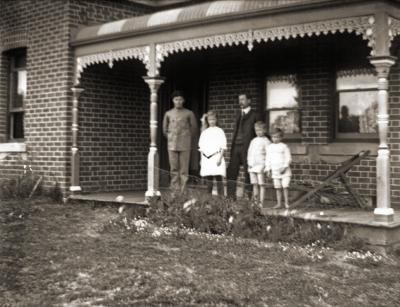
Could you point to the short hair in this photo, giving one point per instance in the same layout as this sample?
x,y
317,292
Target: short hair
x,y
248,96
177,93
212,113
261,125
278,131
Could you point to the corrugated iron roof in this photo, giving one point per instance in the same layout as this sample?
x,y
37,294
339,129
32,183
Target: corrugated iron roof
x,y
187,14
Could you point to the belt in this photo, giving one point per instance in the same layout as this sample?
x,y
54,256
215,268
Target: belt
x,y
208,157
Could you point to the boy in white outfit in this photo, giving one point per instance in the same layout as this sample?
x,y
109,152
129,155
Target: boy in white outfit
x,y
277,166
256,161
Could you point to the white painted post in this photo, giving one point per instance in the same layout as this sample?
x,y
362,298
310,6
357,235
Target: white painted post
x,y
154,84
75,161
383,211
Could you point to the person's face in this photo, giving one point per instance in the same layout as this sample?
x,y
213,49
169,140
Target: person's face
x,y
259,131
178,102
212,121
244,102
276,138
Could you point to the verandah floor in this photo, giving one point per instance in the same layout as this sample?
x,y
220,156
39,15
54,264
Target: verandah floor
x,y
344,215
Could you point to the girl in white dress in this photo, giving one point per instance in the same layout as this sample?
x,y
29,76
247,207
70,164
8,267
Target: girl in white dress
x,y
212,144
277,166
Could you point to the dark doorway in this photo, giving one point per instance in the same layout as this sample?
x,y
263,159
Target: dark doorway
x,y
186,72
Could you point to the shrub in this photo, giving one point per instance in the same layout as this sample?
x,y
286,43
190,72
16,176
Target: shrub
x,y
241,218
20,187
194,210
55,193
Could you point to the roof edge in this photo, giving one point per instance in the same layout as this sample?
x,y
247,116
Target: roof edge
x,y
220,18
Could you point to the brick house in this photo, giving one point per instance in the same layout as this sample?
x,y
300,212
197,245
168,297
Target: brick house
x,y
323,70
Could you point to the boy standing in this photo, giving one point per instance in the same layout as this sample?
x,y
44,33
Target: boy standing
x,y
179,125
278,167
256,157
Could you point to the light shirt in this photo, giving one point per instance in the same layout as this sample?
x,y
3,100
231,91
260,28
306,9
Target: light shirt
x,y
245,110
257,153
278,157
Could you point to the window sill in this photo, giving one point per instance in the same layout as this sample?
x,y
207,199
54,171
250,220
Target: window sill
x,y
348,149
12,147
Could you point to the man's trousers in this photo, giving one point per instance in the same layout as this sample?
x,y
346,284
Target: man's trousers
x,y
179,169
238,158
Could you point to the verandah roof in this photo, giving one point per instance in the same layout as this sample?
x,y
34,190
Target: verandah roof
x,y
201,12
151,38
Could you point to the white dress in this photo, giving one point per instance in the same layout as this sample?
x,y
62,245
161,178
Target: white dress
x,y
278,157
211,141
257,153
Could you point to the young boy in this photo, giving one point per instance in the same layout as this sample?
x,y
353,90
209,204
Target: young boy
x,y
256,161
277,166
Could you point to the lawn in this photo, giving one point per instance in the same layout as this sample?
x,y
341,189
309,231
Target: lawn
x,y
81,255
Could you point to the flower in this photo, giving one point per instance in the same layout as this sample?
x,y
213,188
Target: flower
x,y
156,233
188,204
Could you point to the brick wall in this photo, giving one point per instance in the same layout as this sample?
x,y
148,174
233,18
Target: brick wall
x,y
47,26
316,80
3,97
114,129
232,72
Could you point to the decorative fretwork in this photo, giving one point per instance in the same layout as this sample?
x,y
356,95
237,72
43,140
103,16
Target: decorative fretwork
x,y
355,72
140,53
229,39
394,27
291,78
363,25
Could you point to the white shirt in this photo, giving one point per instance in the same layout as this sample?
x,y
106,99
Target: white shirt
x,y
246,110
257,153
278,157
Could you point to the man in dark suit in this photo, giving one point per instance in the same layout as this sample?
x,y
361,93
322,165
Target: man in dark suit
x,y
242,136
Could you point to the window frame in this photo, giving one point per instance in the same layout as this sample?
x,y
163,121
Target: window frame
x,y
292,78
352,136
12,111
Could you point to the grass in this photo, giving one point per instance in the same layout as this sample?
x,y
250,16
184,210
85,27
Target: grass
x,y
81,255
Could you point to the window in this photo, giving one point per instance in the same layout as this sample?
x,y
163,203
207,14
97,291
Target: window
x,y
283,105
357,105
17,94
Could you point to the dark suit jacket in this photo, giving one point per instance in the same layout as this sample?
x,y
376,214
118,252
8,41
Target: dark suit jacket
x,y
248,128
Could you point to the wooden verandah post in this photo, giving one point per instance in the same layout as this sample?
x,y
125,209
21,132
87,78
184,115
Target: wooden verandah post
x,y
382,61
75,164
154,82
